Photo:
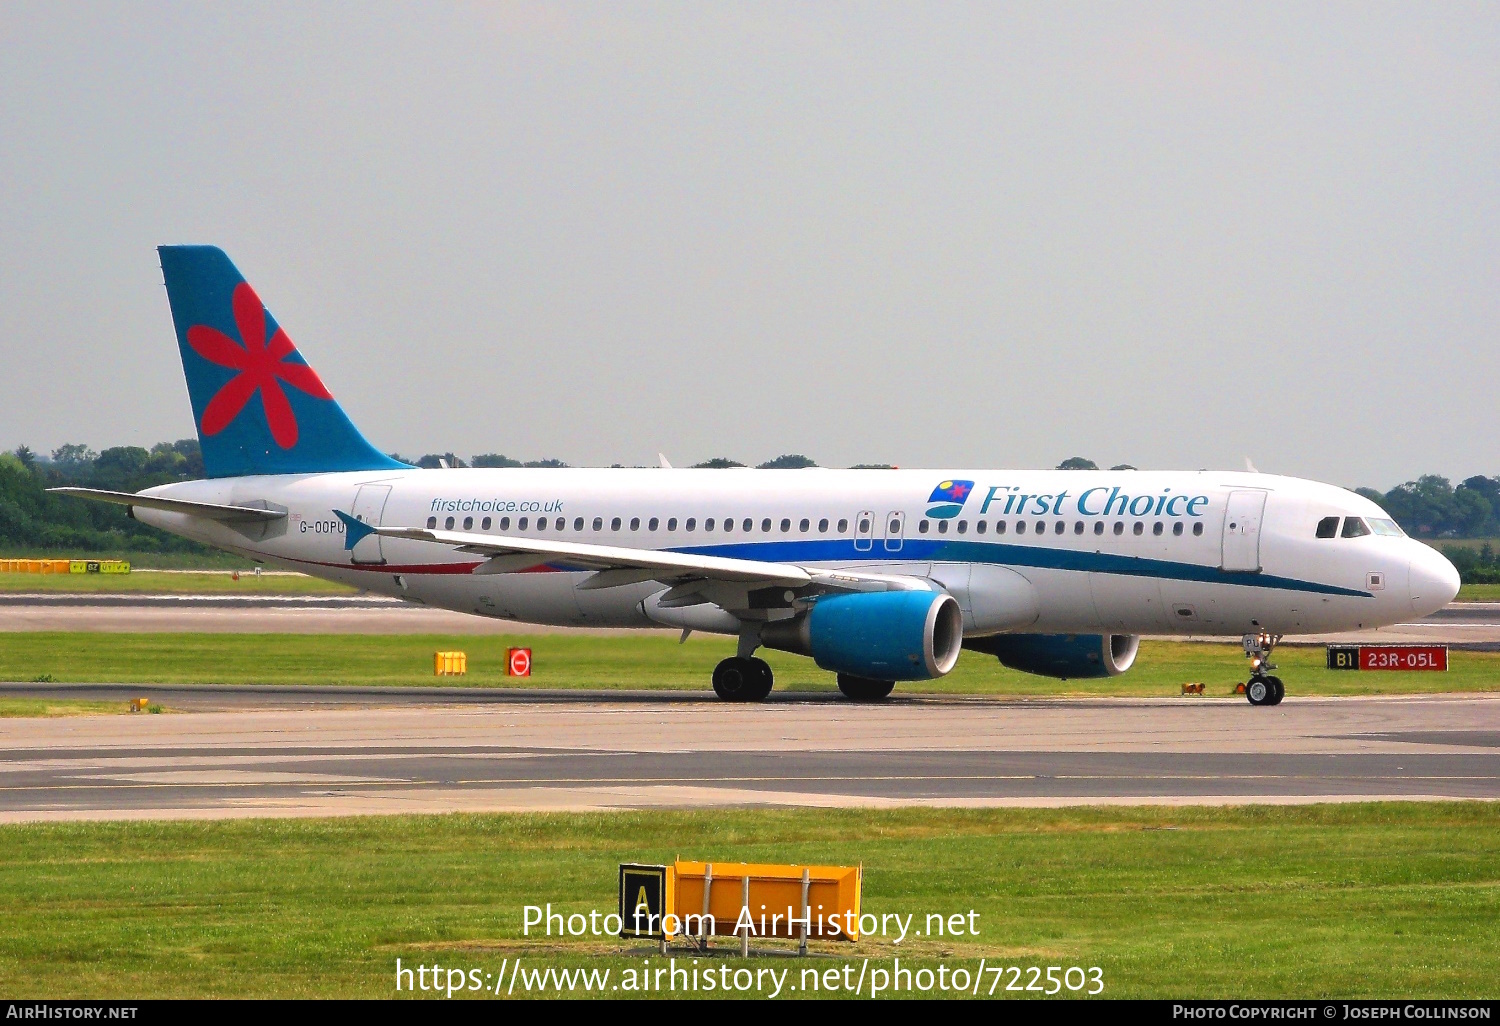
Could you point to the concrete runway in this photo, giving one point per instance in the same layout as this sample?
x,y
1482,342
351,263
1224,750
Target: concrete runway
x,y
1473,625
510,751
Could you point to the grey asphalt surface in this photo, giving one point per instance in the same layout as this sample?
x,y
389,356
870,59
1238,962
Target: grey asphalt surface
x,y
653,750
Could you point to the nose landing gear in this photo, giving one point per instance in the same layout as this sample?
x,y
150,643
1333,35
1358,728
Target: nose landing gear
x,y
1263,688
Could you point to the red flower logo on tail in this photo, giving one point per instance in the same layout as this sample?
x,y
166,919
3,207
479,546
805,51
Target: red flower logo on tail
x,y
261,367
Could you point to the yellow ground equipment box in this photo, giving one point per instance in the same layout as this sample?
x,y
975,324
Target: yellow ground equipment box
x,y
35,566
450,664
698,900
98,566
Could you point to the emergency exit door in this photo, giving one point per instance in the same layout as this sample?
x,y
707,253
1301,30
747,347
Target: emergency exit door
x,y
1242,522
369,506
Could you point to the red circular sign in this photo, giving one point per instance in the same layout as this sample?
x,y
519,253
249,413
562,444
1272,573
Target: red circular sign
x,y
520,662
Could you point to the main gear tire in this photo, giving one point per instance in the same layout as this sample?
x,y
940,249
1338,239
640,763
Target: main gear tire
x,y
863,689
737,680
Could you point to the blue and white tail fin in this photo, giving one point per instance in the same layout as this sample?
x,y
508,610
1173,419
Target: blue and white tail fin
x,y
259,407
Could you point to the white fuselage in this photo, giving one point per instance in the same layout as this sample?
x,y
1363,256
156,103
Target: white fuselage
x,y
1103,552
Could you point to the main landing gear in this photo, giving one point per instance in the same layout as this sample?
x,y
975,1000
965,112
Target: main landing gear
x,y
1262,688
743,679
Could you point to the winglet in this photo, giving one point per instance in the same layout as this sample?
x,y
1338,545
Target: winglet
x,y
355,530
665,463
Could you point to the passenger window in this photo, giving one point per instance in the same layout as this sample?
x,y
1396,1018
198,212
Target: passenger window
x,y
692,523
1156,528
614,525
1177,528
541,523
1354,527
1020,527
578,523
1139,528
651,524
505,523
942,527
999,526
522,523
843,526
1078,527
728,524
804,526
963,527
635,523
980,526
708,525
1197,529
748,524
864,527
484,525
561,523
598,523
671,523
448,524
765,525
1119,527
431,523
922,527
1059,527
823,526
1098,527
1328,527
1041,527
468,523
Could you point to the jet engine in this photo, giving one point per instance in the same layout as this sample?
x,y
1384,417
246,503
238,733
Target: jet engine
x,y
885,635
1068,656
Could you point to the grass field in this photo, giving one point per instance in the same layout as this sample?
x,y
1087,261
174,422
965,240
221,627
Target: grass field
x,y
1479,593
1352,900
13,707
158,582
633,661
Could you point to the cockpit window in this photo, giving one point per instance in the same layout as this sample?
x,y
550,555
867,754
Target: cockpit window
x,y
1328,527
1386,528
1354,527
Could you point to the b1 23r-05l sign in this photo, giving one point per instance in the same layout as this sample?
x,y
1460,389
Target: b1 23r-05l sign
x,y
1388,657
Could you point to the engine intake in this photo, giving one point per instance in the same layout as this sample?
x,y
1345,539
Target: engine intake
x,y
886,635
1067,656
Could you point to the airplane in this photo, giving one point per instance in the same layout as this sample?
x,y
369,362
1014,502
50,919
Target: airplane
x,y
880,576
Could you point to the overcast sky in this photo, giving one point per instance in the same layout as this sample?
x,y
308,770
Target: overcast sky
x,y
978,235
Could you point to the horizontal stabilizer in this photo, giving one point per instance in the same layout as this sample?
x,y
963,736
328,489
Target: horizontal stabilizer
x,y
206,510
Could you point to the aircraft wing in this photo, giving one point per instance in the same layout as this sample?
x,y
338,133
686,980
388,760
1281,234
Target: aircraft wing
x,y
618,565
208,510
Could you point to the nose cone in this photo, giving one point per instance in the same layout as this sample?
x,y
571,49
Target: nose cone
x,y
1434,582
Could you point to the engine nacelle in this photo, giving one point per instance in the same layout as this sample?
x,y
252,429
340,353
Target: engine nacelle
x,y
880,635
1068,656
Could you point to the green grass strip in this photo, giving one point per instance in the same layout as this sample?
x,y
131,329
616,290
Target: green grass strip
x,y
1377,900
645,661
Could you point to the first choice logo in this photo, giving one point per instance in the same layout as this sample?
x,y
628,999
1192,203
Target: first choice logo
x,y
1094,502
